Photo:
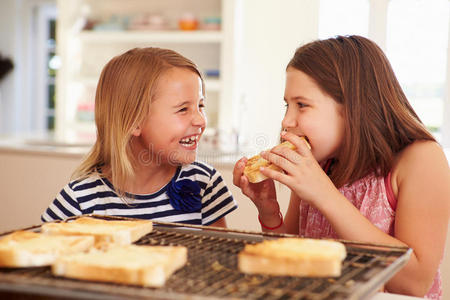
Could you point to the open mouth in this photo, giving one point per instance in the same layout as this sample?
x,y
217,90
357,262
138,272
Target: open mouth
x,y
189,141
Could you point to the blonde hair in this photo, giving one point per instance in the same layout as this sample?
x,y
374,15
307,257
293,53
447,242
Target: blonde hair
x,y
124,92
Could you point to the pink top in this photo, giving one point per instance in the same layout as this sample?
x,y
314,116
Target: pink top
x,y
374,198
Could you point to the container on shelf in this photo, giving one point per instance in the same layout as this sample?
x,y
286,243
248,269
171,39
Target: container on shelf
x,y
188,21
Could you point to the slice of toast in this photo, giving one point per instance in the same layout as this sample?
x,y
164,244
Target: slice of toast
x,y
148,266
252,171
122,232
293,257
31,249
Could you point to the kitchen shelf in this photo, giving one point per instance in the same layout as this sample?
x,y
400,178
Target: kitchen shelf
x,y
84,53
137,36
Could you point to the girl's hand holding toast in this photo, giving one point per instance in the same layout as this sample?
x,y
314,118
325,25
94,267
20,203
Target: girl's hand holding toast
x,y
263,194
303,174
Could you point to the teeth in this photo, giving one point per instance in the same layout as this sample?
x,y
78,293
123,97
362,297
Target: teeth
x,y
189,139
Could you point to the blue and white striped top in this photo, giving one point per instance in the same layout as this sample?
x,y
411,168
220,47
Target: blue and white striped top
x,y
96,195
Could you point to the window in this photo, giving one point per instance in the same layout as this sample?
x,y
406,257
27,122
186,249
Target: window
x,y
53,63
343,17
30,38
45,64
415,36
417,46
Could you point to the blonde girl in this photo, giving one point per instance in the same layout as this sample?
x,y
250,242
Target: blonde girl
x,y
149,113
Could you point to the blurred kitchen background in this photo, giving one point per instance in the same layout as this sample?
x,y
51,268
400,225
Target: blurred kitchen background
x,y
58,49
52,52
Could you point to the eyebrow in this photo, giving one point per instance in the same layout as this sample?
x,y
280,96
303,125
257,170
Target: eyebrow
x,y
181,104
186,102
296,98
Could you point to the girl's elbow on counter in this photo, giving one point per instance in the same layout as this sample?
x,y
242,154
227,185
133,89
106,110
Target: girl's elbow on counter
x,y
416,288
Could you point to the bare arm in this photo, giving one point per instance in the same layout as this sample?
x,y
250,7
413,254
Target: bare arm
x,y
291,221
422,214
220,223
421,180
263,195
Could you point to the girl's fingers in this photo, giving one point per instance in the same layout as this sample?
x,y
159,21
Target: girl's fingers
x,y
286,153
245,188
299,142
276,175
284,158
238,171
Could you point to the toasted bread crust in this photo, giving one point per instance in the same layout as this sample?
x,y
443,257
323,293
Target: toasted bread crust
x,y
137,265
256,162
293,257
31,249
122,232
154,277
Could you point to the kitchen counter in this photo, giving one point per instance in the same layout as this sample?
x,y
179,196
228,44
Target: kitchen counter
x,y
48,145
44,145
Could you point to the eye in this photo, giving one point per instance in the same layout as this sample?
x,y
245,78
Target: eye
x,y
286,104
202,105
301,105
182,109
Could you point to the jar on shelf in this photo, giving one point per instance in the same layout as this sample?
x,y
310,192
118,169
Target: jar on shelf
x,y
148,21
188,21
211,23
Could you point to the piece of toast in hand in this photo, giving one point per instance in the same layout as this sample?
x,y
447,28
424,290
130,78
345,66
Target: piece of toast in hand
x,y
32,249
122,232
148,266
252,171
293,257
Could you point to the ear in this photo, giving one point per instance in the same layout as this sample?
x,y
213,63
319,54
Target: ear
x,y
137,131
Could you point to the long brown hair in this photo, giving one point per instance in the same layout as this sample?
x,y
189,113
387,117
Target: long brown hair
x,y
124,93
379,121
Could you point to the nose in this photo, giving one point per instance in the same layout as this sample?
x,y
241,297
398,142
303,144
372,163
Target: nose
x,y
289,120
199,118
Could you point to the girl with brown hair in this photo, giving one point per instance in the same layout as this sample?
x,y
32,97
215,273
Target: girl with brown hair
x,y
149,113
373,174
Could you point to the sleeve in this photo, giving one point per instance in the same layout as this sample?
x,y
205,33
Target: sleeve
x,y
217,200
65,205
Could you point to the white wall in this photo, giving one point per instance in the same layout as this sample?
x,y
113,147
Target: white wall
x,y
271,32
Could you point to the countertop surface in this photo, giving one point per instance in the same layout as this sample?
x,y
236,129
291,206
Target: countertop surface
x,y
48,145
44,145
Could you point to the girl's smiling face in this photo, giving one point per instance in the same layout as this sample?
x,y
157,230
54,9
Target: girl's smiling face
x,y
175,122
312,113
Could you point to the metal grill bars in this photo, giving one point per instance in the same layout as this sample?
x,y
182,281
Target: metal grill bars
x,y
211,271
